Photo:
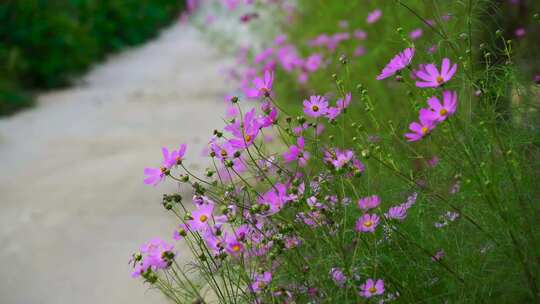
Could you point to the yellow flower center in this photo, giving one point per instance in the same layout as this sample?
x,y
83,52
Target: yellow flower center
x,y
236,248
424,130
315,108
372,289
439,79
203,218
223,152
163,169
443,112
368,223
247,138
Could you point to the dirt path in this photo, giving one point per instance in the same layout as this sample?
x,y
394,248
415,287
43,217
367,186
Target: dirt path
x,y
72,202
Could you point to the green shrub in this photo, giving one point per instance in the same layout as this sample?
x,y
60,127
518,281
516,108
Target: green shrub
x,y
46,43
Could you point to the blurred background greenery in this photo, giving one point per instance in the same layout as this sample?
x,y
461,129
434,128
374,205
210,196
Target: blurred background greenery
x,y
44,43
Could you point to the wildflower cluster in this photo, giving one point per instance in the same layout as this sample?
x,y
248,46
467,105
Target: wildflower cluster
x,y
321,199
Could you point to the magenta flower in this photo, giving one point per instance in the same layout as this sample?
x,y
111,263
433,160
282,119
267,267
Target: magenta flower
x,y
371,288
367,223
520,32
316,106
439,112
438,255
360,34
155,175
338,277
269,117
245,131
261,86
415,34
288,58
422,128
332,113
297,152
373,16
397,212
201,217
222,151
233,246
313,62
262,56
338,158
260,281
343,103
399,62
359,51
369,202
431,77
275,200
156,254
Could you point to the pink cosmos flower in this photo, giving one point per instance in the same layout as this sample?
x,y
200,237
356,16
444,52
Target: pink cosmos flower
x,y
432,162
263,55
415,34
233,246
359,51
313,62
182,230
438,255
360,34
343,103
269,117
230,4
397,212
246,131
274,199
214,243
261,86
371,288
374,16
223,150
297,152
367,223
260,281
431,77
201,217
332,113
369,202
320,40
155,175
316,106
439,112
520,32
338,158
157,254
288,58
422,128
280,39
399,62
338,277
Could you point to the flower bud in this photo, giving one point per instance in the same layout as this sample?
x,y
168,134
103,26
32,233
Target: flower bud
x,y
234,99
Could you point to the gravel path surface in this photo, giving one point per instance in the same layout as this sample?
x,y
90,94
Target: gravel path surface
x,y
72,202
